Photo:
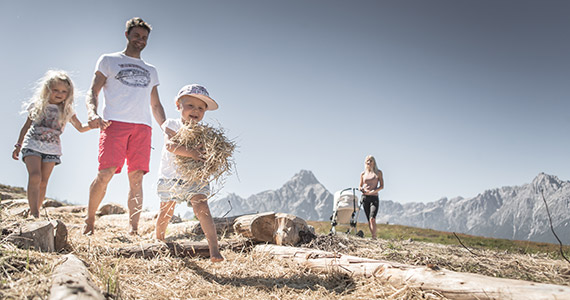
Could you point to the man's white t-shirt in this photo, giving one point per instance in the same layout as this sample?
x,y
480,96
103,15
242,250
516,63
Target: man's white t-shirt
x,y
128,88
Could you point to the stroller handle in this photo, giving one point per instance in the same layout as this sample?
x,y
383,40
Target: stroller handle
x,y
350,189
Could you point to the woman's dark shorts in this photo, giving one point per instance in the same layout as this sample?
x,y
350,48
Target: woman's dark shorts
x,y
370,204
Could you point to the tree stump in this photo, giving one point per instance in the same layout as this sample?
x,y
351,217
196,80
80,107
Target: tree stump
x,y
37,235
290,230
60,235
71,280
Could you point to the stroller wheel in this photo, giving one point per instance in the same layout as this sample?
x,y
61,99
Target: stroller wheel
x,y
360,233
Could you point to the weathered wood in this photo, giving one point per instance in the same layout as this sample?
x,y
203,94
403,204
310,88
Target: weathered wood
x,y
60,235
71,209
223,226
258,227
453,285
37,235
145,217
290,230
111,209
71,280
178,249
52,203
182,249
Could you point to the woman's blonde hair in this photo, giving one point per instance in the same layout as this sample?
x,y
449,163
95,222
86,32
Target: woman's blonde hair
x,y
37,104
374,165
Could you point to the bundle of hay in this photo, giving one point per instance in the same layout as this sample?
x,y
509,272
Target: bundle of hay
x,y
218,151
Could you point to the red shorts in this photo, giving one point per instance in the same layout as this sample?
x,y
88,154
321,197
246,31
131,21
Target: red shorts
x,y
122,141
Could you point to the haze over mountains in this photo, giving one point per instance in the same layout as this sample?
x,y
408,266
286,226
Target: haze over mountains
x,y
514,212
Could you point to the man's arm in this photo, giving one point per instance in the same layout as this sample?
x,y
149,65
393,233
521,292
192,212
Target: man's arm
x,y
92,101
156,106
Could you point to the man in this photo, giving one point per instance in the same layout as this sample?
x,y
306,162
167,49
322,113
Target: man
x,y
130,89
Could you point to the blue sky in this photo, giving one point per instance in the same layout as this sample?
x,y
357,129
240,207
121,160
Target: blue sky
x,y
451,97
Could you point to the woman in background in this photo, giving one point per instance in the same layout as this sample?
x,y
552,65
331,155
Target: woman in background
x,y
371,182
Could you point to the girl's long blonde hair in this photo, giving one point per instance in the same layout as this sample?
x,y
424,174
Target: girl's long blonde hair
x,y
37,104
374,165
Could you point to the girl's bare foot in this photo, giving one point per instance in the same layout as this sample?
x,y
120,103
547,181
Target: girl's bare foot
x,y
216,258
88,229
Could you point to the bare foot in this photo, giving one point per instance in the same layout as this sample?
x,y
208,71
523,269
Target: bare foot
x,y
217,258
133,232
88,229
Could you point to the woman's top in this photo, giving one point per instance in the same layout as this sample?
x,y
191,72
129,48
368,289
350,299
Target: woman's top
x,y
370,181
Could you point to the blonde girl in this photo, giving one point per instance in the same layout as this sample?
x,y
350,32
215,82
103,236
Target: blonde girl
x,y
49,109
371,182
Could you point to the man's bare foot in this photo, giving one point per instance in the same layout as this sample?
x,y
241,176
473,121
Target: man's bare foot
x,y
133,232
88,229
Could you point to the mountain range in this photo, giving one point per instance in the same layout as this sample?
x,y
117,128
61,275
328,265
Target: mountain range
x,y
514,212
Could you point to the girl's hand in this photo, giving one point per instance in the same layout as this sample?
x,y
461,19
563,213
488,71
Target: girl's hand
x,y
16,153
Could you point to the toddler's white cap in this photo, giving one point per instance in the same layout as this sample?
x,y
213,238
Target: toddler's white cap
x,y
200,92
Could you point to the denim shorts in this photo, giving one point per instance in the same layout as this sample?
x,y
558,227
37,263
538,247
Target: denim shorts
x,y
45,157
179,190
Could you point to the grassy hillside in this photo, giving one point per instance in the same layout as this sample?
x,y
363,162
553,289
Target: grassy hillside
x,y
400,232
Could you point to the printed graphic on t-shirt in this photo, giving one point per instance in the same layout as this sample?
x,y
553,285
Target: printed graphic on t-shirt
x,y
133,75
48,128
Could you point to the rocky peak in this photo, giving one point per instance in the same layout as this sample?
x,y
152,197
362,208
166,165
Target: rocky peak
x,y
546,181
303,178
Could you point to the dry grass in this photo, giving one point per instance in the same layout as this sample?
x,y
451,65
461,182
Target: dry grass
x,y
245,274
218,151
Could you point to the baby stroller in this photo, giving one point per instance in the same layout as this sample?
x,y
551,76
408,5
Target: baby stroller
x,y
346,210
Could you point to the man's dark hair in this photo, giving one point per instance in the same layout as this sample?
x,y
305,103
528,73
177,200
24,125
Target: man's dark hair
x,y
137,22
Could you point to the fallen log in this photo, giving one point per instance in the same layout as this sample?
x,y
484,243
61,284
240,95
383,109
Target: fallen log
x,y
453,285
71,280
178,249
223,226
258,227
111,209
67,209
276,228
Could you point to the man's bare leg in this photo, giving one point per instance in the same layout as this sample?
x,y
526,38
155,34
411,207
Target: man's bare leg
x,y
97,191
135,200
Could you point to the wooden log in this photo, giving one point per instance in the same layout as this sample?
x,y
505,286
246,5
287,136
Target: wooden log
x,y
111,209
178,249
71,280
71,209
223,226
258,227
453,285
52,203
182,249
145,217
37,235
